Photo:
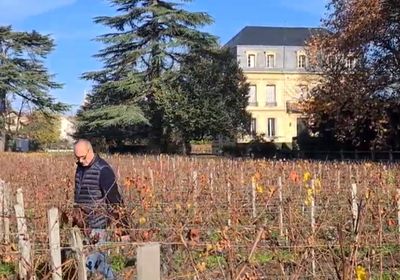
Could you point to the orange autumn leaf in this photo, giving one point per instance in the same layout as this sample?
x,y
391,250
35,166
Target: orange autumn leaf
x,y
294,177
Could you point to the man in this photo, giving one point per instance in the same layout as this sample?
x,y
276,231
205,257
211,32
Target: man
x,y
96,195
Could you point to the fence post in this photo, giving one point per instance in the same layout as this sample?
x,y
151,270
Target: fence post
x,y
77,246
23,237
54,243
148,262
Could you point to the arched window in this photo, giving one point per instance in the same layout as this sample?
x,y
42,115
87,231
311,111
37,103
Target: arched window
x,y
301,61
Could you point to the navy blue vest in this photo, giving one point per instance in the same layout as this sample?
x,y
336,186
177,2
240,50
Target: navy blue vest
x,y
88,194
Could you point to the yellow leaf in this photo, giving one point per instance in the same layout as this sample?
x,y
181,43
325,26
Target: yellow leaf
x,y
259,188
306,177
142,220
309,197
361,273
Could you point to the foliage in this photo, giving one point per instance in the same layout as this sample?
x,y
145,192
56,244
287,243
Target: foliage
x,y
22,68
6,269
43,129
113,123
358,96
23,72
150,38
208,98
118,263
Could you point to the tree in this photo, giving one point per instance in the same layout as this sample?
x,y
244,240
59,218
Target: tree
x,y
112,124
22,71
208,98
358,96
151,38
43,129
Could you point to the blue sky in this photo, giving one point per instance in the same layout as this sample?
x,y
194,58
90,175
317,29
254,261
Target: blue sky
x,y
70,24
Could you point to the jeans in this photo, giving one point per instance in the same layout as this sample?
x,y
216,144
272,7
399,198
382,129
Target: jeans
x,y
97,261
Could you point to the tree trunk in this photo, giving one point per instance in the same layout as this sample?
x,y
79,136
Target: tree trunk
x,y
186,148
2,140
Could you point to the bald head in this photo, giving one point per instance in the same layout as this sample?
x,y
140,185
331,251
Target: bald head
x,y
83,143
83,152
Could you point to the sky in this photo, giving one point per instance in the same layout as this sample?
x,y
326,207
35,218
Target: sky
x,y
70,24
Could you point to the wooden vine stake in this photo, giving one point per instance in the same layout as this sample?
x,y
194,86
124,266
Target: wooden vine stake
x,y
54,243
280,206
24,244
398,209
312,214
354,205
253,197
77,247
229,203
4,212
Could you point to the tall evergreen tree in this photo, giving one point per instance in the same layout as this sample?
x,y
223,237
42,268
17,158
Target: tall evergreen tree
x,y
150,38
208,98
22,71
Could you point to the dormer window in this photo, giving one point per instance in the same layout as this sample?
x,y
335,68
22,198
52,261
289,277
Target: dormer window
x,y
301,61
270,60
251,60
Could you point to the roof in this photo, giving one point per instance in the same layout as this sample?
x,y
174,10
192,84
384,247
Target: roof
x,y
273,36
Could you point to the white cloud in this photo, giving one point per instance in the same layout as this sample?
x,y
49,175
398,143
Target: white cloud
x,y
12,11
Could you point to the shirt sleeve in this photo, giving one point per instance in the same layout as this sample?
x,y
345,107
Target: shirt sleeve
x,y
109,186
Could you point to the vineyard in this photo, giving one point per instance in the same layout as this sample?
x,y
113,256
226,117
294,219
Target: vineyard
x,y
218,218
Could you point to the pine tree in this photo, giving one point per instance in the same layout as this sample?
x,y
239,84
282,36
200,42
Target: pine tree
x,y
22,71
151,38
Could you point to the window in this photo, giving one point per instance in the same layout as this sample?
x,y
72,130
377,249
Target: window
x,y
270,61
251,60
253,95
271,123
302,61
271,95
253,126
